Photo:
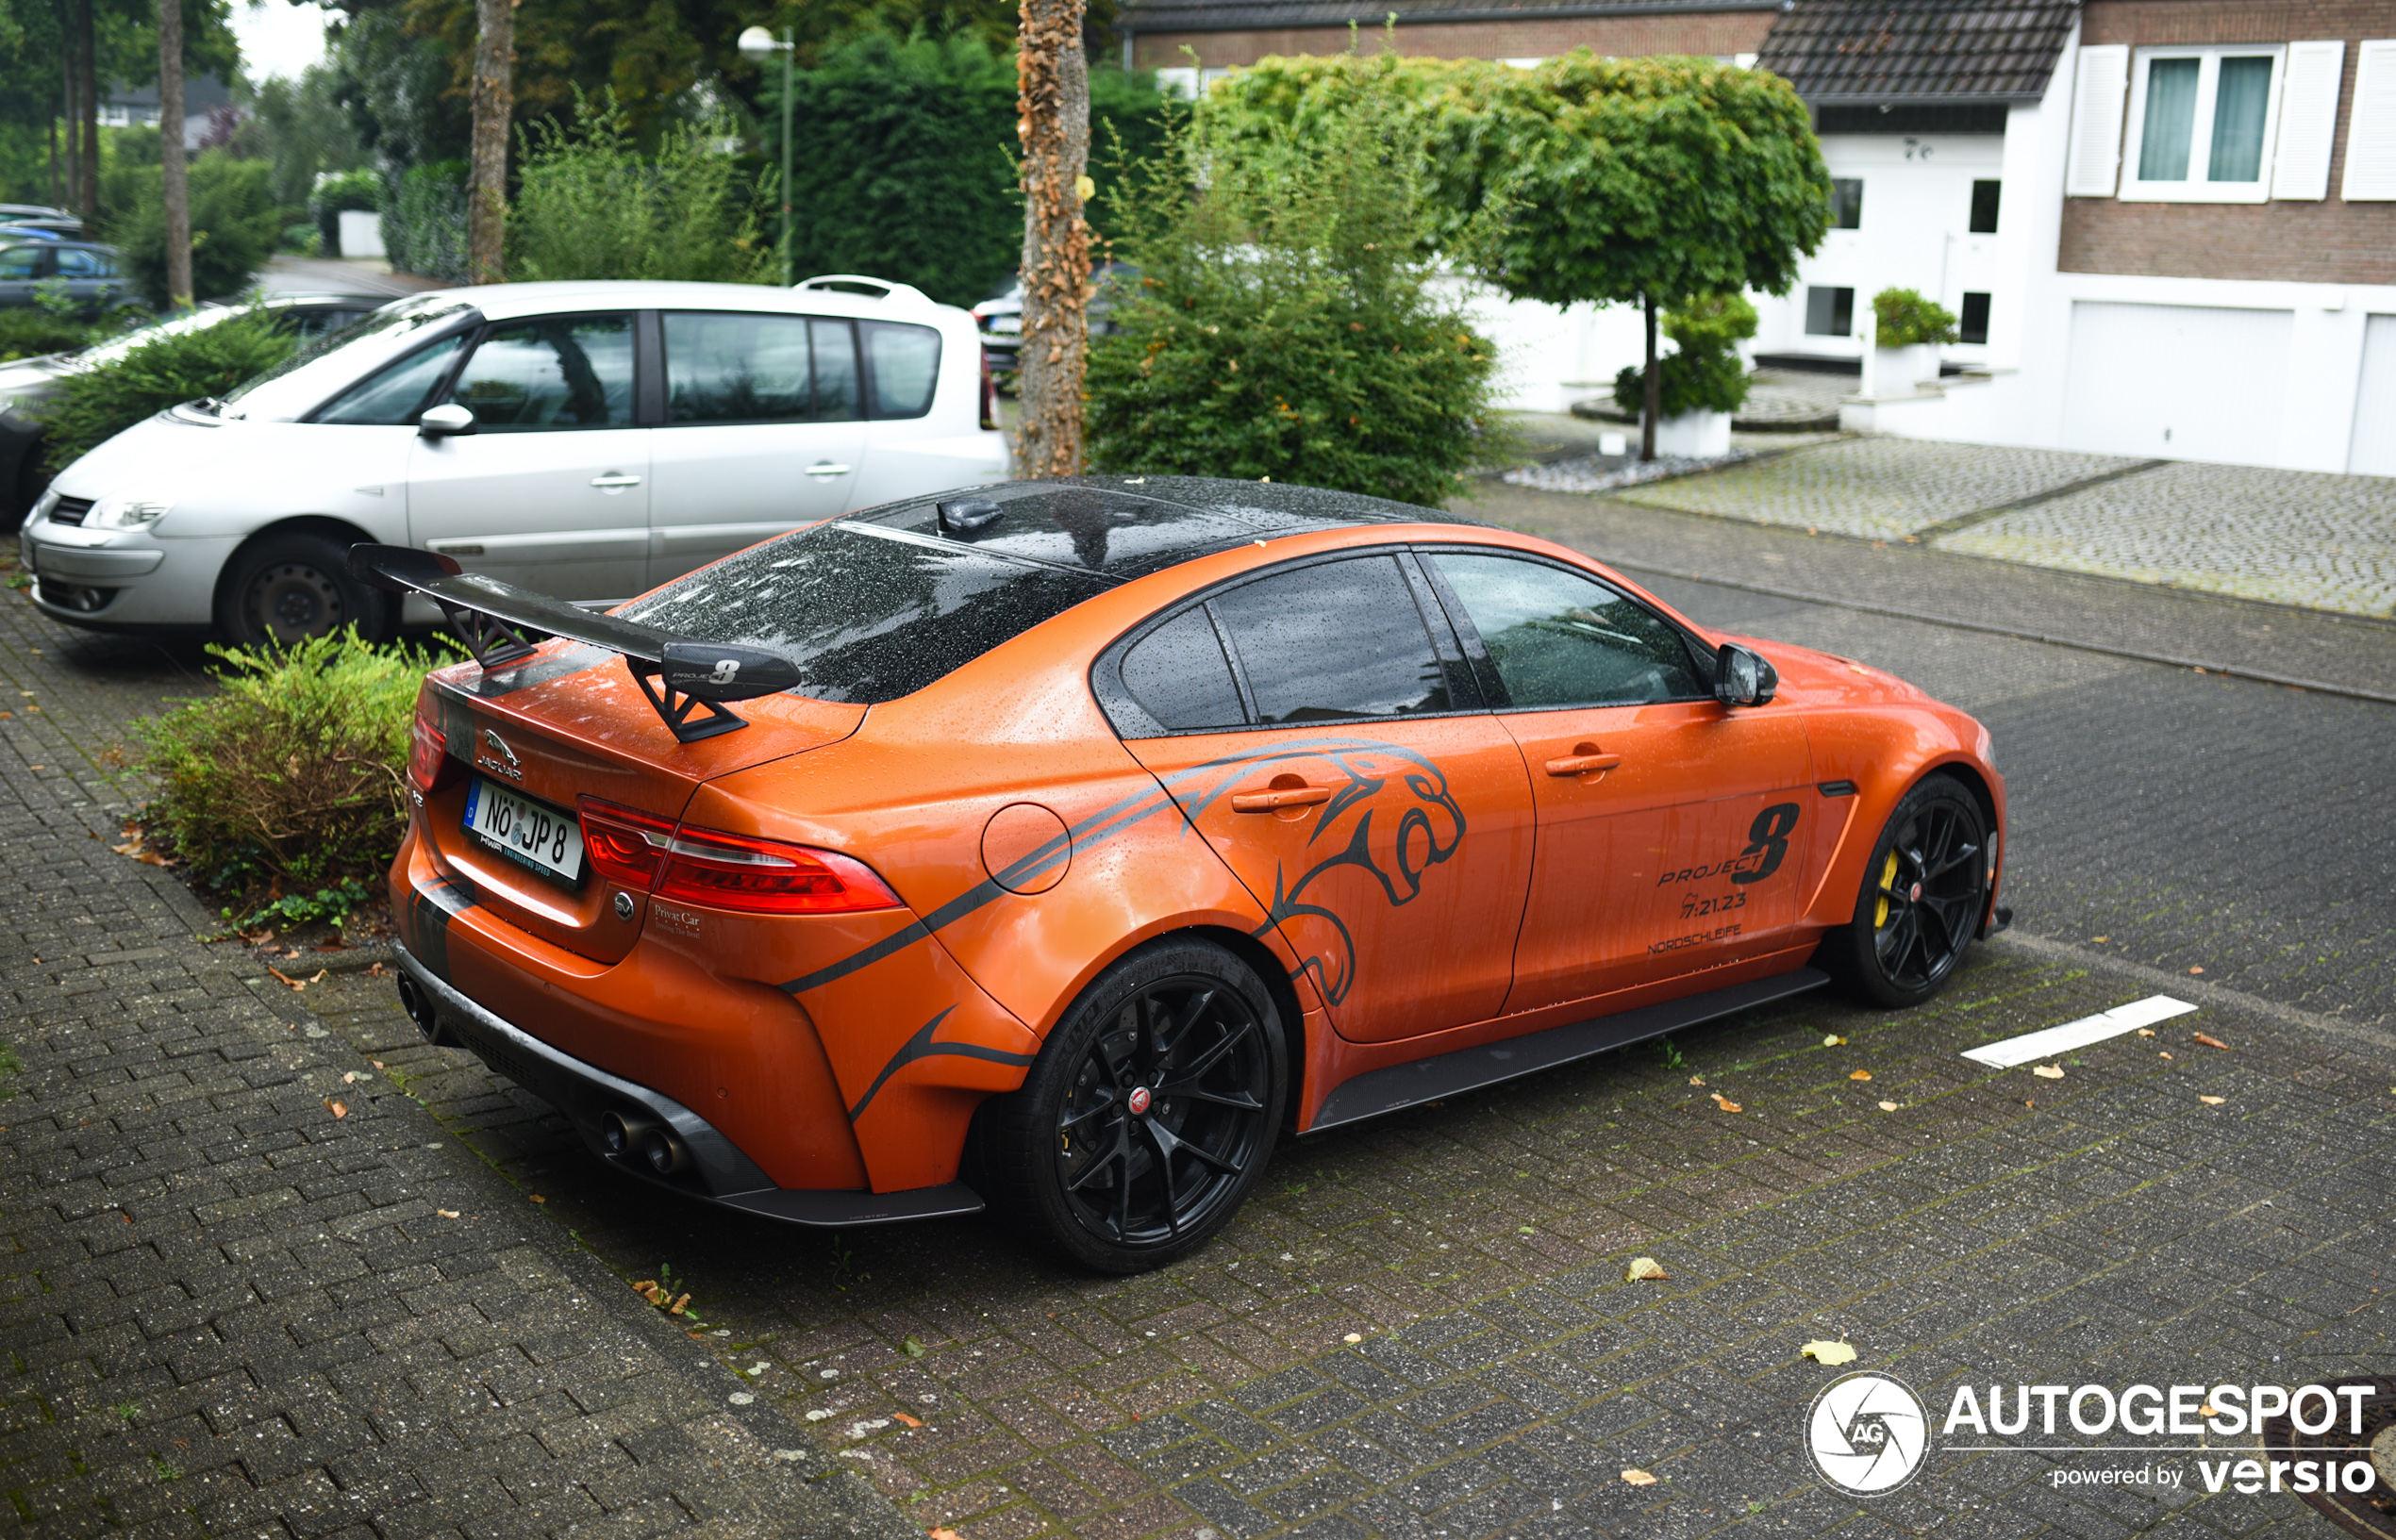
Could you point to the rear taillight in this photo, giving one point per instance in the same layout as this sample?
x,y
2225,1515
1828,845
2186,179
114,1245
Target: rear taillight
x,y
429,762
765,876
648,855
624,843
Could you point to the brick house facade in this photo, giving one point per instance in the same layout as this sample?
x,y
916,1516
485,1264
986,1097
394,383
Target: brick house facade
x,y
1227,37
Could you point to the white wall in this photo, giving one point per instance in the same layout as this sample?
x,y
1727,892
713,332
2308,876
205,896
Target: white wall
x,y
1550,356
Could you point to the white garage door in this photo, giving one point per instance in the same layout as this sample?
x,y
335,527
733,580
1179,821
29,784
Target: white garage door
x,y
2183,382
2375,446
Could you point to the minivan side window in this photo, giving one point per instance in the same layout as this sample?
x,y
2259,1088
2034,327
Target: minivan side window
x,y
393,395
839,397
20,262
1333,641
906,367
550,373
727,368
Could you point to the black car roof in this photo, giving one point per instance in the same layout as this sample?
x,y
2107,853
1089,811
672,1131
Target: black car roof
x,y
1123,527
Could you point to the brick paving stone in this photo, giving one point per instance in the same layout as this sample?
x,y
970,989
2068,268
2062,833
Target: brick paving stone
x,y
2289,537
1881,488
228,1309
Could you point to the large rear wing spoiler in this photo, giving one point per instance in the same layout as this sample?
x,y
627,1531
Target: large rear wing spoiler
x,y
501,623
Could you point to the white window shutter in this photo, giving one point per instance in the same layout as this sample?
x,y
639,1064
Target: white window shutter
x,y
2370,132
2309,120
2096,95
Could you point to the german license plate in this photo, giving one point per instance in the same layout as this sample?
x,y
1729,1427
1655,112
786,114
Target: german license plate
x,y
545,839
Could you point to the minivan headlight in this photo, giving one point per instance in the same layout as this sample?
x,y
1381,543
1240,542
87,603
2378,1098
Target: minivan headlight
x,y
127,510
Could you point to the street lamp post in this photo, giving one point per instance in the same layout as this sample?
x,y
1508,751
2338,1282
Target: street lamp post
x,y
760,45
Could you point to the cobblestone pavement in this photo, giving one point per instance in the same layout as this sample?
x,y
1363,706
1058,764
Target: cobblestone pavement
x,y
248,1288
2291,536
2285,537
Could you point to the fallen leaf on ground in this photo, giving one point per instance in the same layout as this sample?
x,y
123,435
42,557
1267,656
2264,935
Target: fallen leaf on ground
x,y
912,1422
2027,1103
1888,1106
1726,1103
349,1077
647,1288
2196,970
446,1213
678,1306
2209,1040
1697,1079
1643,1267
296,983
1834,1041
2165,1051
1638,1478
2146,1032
376,1063
943,1534
538,1199
1829,1353
336,1108
2212,1100
912,1348
2100,938
1861,1074
1353,1337
2047,1071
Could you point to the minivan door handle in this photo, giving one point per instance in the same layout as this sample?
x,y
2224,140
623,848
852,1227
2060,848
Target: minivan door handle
x,y
826,468
614,481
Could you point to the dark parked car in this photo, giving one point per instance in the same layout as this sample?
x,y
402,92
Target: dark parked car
x,y
1000,318
29,381
90,273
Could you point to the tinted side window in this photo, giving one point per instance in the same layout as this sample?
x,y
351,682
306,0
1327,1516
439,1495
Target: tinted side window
x,y
906,367
77,262
392,396
1337,639
1557,639
839,397
1179,674
19,261
737,369
555,371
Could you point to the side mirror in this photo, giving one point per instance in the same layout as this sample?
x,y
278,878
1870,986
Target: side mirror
x,y
446,420
1741,678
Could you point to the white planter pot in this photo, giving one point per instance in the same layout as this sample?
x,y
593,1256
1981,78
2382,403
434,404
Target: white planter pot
x,y
362,233
1895,372
1693,435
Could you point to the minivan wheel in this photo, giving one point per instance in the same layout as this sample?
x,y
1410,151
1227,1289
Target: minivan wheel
x,y
1150,1112
288,588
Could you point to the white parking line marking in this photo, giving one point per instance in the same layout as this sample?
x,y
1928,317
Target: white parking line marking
x,y
2088,1029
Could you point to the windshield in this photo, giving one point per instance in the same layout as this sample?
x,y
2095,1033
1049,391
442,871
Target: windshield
x,y
310,375
868,614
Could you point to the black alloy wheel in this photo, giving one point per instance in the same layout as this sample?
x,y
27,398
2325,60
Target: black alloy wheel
x,y
1925,893
290,588
1150,1112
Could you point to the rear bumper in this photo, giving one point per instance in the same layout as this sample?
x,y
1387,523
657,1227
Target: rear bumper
x,y
719,1172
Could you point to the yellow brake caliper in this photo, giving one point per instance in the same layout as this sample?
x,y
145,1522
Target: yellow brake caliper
x,y
1887,875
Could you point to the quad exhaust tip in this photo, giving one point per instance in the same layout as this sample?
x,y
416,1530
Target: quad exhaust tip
x,y
636,1136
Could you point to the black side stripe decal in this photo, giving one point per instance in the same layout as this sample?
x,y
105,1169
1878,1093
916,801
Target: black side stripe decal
x,y
921,1047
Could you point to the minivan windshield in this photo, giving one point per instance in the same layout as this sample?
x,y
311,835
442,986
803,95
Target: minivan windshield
x,y
313,374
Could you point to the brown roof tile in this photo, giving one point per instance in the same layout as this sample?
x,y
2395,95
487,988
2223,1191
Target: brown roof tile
x,y
1918,50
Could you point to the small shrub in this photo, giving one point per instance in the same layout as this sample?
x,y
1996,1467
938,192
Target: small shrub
x,y
424,227
29,331
1706,374
93,406
302,240
1903,318
291,778
337,194
591,206
1283,325
235,225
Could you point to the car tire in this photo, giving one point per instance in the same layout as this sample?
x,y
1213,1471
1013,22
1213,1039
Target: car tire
x,y
287,588
1924,895
1150,1112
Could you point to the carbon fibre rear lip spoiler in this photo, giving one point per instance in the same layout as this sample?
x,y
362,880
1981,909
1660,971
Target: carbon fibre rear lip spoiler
x,y
501,623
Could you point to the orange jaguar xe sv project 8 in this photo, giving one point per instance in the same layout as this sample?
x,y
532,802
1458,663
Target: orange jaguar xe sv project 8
x,y
1064,845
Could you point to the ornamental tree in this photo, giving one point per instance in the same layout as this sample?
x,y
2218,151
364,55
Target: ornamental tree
x,y
1646,180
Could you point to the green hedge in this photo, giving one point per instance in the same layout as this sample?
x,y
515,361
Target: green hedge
x,y
424,224
1902,318
235,225
337,194
1706,374
904,163
93,406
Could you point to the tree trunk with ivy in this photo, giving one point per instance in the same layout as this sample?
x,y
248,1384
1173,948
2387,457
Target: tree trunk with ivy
x,y
177,183
494,103
1052,121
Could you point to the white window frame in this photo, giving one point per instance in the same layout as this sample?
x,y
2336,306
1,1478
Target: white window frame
x,y
2196,189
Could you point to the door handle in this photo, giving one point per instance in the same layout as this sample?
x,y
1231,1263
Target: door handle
x,y
1583,760
615,479
826,468
1278,798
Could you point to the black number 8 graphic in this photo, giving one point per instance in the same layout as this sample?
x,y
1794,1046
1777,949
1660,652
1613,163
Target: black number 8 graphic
x,y
1768,837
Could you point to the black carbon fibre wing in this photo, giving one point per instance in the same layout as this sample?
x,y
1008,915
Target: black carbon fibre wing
x,y
685,679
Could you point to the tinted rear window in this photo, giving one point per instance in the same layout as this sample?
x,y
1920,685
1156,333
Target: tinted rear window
x,y
868,615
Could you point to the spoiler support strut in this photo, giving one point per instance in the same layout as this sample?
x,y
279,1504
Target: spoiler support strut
x,y
501,623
